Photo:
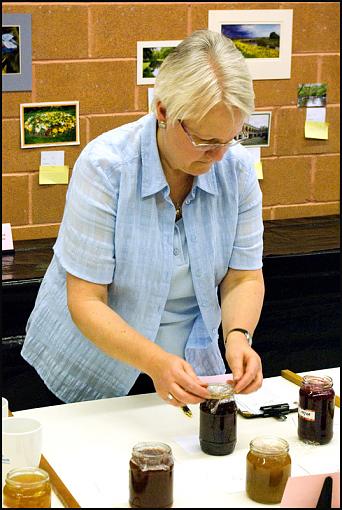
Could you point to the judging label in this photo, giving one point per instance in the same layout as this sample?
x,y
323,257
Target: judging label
x,y
306,414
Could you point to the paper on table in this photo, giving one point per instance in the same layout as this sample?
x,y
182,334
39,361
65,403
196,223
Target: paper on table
x,y
251,402
317,130
54,174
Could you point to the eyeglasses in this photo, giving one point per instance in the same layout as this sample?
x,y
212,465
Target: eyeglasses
x,y
243,135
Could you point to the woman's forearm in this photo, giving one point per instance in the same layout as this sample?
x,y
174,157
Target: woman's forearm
x,y
110,333
242,295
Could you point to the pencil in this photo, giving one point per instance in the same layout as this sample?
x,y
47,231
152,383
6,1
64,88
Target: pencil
x,y
297,379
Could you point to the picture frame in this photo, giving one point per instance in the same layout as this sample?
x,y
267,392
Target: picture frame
x,y
49,124
258,128
255,34
16,52
150,55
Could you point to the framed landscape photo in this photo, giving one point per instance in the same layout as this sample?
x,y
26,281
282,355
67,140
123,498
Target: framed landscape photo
x,y
16,52
264,38
49,124
150,56
258,128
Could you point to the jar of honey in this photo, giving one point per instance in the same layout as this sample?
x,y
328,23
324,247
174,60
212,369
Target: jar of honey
x,y
151,476
217,431
27,487
268,467
316,409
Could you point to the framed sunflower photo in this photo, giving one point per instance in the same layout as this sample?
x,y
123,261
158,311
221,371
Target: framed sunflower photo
x,y
49,124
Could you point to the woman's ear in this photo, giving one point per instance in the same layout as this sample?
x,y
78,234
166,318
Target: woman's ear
x,y
161,111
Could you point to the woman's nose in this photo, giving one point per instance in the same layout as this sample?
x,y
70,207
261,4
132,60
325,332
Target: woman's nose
x,y
217,153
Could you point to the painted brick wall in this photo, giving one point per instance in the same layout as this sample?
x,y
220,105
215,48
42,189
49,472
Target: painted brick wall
x,y
87,52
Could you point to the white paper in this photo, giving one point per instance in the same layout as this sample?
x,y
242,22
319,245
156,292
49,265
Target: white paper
x,y
316,114
255,153
264,396
7,239
189,443
52,158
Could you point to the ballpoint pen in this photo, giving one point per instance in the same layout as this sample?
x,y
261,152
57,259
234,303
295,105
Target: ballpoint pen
x,y
187,411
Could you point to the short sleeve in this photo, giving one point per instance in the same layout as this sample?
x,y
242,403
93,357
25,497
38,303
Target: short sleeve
x,y
85,243
248,242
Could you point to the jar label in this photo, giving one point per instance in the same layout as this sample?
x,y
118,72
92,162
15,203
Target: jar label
x,y
306,414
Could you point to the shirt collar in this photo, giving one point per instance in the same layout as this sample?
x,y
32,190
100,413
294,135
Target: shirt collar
x,y
153,177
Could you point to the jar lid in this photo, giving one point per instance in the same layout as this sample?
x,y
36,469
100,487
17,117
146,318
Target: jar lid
x,y
269,445
220,390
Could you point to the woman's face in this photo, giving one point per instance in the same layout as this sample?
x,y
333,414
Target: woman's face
x,y
219,125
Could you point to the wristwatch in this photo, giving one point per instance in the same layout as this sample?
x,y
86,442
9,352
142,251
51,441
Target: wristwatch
x,y
244,331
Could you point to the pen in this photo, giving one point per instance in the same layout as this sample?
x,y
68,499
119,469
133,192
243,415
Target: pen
x,y
187,411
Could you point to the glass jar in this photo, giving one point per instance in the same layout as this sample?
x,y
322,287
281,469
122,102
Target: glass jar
x,y
151,476
268,467
316,409
27,487
217,432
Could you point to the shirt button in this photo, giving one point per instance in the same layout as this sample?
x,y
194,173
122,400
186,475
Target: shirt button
x,y
198,273
214,330
176,251
193,237
187,202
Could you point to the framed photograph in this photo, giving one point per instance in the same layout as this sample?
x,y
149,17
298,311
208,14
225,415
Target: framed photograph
x,y
312,95
49,124
258,128
264,37
150,56
16,52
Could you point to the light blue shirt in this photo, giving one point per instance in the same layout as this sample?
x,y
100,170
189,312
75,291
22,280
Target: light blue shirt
x,y
181,308
118,229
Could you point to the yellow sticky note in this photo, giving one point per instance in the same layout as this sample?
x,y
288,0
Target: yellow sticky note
x,y
318,130
258,169
53,174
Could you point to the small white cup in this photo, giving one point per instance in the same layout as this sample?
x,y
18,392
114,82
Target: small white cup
x,y
4,407
21,443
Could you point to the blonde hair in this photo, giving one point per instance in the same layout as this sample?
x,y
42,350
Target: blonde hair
x,y
203,70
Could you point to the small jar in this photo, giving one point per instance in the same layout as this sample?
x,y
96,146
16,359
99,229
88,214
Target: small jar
x,y
27,487
316,409
151,476
268,467
217,431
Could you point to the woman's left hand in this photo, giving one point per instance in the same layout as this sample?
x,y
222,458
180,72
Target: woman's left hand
x,y
244,363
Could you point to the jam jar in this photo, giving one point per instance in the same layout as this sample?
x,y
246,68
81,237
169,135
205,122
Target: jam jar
x,y
217,432
27,487
268,467
316,409
151,476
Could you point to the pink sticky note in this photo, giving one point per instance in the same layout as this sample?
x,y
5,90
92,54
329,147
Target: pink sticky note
x,y
210,379
304,491
7,240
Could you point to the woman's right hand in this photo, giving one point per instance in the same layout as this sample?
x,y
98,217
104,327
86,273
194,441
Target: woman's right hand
x,y
173,376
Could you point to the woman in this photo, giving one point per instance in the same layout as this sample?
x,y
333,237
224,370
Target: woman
x,y
159,214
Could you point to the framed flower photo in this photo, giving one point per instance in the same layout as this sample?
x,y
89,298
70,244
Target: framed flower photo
x,y
150,56
264,38
16,57
49,124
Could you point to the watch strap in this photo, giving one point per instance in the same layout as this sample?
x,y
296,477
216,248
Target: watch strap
x,y
244,331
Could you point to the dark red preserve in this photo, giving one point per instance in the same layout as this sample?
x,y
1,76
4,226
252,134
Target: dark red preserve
x,y
316,409
217,432
151,476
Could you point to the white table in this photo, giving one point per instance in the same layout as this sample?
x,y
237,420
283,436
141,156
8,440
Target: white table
x,y
89,445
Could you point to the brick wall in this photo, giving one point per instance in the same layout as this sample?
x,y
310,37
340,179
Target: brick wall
x,y
87,52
